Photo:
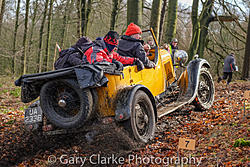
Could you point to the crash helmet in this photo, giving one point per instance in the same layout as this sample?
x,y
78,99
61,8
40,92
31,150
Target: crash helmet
x,y
174,40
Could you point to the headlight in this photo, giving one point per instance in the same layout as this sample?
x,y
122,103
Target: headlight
x,y
180,57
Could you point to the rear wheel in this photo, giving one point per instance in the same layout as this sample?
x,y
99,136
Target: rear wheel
x,y
205,95
65,104
141,124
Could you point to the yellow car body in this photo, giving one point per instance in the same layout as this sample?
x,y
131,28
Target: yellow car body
x,y
155,79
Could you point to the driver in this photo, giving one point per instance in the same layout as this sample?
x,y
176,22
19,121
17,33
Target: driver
x,y
131,45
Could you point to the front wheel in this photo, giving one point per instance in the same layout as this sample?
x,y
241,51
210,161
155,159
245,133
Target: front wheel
x,y
141,124
205,95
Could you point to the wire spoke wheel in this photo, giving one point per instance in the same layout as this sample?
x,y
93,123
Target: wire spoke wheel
x,y
205,94
64,100
204,88
141,119
141,124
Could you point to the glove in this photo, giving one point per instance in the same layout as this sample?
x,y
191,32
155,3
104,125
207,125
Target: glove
x,y
150,64
119,65
139,64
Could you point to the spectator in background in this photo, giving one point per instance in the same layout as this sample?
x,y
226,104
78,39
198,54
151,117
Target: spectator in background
x,y
173,47
229,67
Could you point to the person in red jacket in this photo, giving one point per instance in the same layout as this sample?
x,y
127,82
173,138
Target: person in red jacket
x,y
103,50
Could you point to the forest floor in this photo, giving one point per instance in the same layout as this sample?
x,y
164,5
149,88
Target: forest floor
x,y
215,132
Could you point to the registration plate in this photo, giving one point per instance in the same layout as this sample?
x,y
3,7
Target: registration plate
x,y
33,115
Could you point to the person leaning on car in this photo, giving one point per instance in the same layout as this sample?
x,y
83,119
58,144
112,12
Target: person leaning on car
x,y
103,50
131,45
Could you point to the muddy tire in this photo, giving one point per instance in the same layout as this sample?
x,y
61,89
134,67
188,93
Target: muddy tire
x,y
65,104
205,94
141,124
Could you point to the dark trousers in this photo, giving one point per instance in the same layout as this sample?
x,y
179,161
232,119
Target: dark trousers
x,y
229,75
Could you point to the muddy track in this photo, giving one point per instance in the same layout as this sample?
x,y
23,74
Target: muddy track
x,y
19,145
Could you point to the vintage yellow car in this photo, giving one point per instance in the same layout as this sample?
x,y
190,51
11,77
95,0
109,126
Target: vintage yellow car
x,y
73,98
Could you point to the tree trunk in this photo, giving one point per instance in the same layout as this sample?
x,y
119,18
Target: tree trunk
x,y
134,12
33,23
163,13
171,20
2,10
200,27
46,61
245,71
193,48
65,22
24,55
85,16
14,39
205,20
155,17
40,56
79,15
114,13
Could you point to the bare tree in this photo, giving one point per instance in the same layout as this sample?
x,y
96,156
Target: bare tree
x,y
163,13
47,52
14,38
2,10
65,21
83,11
155,17
200,27
33,23
40,56
172,20
134,12
79,15
245,71
24,55
115,4
201,24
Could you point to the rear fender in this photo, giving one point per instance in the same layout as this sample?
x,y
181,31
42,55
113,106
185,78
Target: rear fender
x,y
124,101
193,70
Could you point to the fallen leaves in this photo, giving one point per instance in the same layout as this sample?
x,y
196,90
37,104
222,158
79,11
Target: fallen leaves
x,y
215,132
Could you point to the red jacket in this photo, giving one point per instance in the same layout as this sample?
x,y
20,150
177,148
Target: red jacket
x,y
98,53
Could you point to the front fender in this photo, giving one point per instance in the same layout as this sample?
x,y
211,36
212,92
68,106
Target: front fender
x,y
124,101
193,70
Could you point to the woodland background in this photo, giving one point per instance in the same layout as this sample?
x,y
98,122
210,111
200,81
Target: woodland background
x,y
30,29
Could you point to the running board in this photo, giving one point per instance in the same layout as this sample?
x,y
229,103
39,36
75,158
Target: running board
x,y
162,111
186,97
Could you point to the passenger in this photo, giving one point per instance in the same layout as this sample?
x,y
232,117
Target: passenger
x,y
150,42
147,48
166,47
131,45
74,55
149,45
103,50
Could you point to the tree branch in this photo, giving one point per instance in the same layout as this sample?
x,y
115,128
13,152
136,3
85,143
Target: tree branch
x,y
224,18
